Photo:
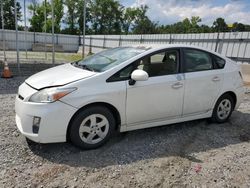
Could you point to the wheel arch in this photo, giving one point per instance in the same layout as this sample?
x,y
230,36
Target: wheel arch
x,y
231,93
109,106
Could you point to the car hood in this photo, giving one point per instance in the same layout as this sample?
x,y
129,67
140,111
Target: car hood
x,y
58,76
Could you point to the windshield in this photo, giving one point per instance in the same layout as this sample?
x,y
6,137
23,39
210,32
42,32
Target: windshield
x,y
107,59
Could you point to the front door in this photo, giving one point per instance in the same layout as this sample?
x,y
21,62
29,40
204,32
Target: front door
x,y
161,96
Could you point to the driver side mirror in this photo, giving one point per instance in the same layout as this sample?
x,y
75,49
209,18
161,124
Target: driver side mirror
x,y
138,75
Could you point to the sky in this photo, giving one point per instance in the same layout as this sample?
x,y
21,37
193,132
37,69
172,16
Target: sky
x,y
172,11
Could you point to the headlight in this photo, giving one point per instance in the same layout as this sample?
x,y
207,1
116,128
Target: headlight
x,y
50,95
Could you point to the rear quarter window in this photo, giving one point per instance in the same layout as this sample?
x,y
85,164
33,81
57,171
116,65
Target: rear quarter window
x,y
219,63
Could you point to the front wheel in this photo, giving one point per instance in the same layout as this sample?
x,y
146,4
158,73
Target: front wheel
x,y
92,127
223,109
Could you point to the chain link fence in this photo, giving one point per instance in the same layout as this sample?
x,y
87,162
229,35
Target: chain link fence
x,y
35,49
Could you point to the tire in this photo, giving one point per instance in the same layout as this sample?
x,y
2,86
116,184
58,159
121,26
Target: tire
x,y
223,109
92,127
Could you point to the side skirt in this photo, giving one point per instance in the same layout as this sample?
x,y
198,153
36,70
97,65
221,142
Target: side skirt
x,y
144,125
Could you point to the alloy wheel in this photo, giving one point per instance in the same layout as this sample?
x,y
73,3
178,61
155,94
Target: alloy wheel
x,y
224,109
94,128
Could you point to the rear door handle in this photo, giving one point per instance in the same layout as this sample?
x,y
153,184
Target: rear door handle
x,y
216,79
177,85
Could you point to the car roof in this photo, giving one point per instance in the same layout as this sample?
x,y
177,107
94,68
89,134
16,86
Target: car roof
x,y
163,46
160,46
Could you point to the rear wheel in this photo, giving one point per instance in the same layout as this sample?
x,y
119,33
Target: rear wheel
x,y
223,109
92,127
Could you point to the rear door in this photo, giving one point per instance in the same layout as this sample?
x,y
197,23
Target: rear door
x,y
202,81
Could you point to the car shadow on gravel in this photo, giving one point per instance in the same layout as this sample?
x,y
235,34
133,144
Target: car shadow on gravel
x,y
182,139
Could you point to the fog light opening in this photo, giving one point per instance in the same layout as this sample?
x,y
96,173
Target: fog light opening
x,y
36,124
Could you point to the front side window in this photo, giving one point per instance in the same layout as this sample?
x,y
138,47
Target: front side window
x,y
196,60
107,59
158,64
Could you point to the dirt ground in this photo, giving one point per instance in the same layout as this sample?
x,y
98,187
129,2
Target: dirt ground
x,y
191,154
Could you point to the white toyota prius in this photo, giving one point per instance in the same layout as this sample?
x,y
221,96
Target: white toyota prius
x,y
124,89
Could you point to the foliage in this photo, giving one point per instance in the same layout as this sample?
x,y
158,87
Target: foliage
x,y
71,16
238,27
142,24
80,17
106,17
37,21
220,25
135,20
9,14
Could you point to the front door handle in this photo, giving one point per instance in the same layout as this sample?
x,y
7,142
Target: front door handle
x,y
216,79
177,85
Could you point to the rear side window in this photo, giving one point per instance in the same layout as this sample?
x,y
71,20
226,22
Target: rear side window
x,y
219,63
196,60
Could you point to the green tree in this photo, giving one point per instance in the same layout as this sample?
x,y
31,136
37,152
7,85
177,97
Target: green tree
x,y
129,16
205,29
247,27
71,16
142,24
9,14
238,27
74,17
37,21
106,16
220,25
195,28
58,12
186,24
80,17
164,29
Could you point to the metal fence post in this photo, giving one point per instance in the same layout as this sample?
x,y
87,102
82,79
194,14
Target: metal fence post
x,y
141,40
120,41
45,29
104,40
34,38
90,44
84,29
53,33
217,41
17,45
3,33
25,28
219,50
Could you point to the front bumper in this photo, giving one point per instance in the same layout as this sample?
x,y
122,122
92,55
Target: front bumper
x,y
54,116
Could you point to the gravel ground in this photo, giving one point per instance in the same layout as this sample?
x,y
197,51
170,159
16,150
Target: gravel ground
x,y
191,154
